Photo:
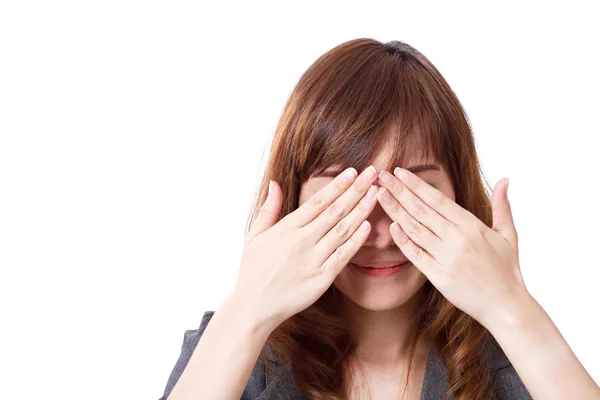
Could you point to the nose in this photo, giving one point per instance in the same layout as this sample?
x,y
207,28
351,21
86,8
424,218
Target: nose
x,y
380,236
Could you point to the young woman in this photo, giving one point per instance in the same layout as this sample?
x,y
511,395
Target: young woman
x,y
360,280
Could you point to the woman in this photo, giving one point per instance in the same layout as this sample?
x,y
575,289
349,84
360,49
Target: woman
x,y
392,283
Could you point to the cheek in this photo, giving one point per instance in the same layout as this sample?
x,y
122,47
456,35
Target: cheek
x,y
450,194
307,190
303,197
305,193
447,191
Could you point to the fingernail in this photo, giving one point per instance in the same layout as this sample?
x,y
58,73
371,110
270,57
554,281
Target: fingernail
x,y
506,187
369,173
386,177
401,174
364,226
386,196
348,174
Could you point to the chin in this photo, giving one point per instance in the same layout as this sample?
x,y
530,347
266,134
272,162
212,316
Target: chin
x,y
377,294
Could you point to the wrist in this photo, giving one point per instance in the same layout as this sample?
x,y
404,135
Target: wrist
x,y
248,317
518,312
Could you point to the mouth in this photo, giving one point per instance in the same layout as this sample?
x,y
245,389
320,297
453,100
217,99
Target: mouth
x,y
383,265
379,271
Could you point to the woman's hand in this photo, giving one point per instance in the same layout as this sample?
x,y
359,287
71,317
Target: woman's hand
x,y
286,266
476,268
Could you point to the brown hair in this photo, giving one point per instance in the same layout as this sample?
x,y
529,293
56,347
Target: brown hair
x,y
351,100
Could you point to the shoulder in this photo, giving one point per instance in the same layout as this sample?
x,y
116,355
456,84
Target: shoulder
x,y
508,383
261,386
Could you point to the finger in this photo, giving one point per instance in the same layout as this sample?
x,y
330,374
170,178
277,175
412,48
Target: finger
x,y
503,220
416,231
343,205
319,201
338,260
417,256
347,226
418,208
433,197
268,214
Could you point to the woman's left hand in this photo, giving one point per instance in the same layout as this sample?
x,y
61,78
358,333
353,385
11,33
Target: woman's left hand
x,y
476,268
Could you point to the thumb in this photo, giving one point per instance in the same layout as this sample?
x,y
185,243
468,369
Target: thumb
x,y
268,214
502,213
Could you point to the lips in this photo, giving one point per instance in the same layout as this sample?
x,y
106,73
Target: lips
x,y
386,264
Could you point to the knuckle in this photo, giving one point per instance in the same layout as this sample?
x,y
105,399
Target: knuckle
x,y
462,244
336,209
438,201
308,234
394,207
340,253
342,228
318,201
480,229
397,188
422,209
299,244
415,228
419,253
357,188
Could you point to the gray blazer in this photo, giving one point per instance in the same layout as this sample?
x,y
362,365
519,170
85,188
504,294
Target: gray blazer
x,y
280,386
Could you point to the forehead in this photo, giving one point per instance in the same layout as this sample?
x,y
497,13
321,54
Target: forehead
x,y
415,162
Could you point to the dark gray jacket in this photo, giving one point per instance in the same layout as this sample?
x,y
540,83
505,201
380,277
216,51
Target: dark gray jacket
x,y
280,385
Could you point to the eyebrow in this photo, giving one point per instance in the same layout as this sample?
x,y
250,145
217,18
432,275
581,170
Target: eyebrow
x,y
335,171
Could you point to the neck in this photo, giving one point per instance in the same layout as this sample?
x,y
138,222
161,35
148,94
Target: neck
x,y
385,337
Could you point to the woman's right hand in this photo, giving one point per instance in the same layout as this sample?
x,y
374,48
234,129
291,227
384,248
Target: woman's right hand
x,y
286,266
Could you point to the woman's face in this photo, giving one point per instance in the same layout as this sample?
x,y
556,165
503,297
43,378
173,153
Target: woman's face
x,y
376,293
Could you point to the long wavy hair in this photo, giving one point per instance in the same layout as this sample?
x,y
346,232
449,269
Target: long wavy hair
x,y
352,99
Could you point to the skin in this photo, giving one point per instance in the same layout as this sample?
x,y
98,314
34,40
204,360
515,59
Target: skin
x,y
477,269
314,243
379,309
473,266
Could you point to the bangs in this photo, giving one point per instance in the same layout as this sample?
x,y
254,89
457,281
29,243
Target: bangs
x,y
387,105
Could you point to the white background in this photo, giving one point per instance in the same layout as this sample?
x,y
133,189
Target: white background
x,y
132,135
